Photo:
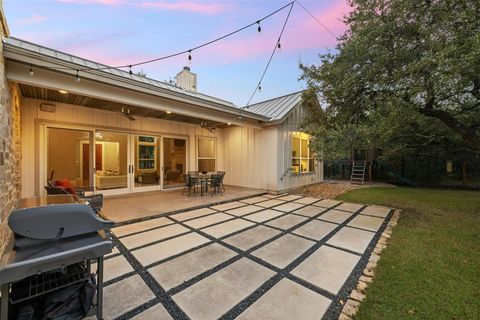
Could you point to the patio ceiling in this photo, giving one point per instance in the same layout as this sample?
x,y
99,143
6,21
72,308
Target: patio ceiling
x,y
50,95
110,96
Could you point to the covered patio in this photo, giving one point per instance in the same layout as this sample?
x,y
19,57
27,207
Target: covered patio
x,y
130,208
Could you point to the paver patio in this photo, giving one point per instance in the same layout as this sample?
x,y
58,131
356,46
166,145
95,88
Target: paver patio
x,y
265,257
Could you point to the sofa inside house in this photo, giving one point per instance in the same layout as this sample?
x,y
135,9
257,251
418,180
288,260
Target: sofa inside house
x,y
148,177
107,179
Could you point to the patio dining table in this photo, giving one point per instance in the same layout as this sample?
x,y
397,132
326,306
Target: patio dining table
x,y
203,177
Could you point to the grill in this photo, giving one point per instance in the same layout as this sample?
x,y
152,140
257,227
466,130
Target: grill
x,y
56,238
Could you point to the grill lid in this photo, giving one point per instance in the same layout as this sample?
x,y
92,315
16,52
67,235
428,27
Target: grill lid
x,y
51,218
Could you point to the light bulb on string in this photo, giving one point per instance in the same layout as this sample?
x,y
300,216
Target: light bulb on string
x,y
259,28
189,57
77,77
130,69
259,88
279,45
30,71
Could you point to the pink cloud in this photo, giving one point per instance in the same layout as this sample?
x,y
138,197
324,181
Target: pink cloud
x,y
33,19
200,7
302,33
307,33
104,2
189,6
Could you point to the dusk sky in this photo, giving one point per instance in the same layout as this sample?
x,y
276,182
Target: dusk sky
x,y
122,32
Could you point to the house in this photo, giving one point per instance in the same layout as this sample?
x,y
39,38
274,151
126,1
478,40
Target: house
x,y
71,118
123,133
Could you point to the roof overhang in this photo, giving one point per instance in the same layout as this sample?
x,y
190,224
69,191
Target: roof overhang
x,y
103,85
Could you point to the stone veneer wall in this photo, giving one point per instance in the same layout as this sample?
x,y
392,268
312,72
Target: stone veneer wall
x,y
10,144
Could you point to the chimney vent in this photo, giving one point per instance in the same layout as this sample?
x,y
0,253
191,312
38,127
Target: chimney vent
x,y
187,80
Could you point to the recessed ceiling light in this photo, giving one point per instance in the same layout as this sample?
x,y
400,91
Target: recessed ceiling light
x,y
63,91
168,111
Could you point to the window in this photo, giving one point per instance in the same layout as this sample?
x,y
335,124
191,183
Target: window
x,y
206,154
146,153
302,156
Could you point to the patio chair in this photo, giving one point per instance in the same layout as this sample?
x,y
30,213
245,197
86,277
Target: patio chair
x,y
222,175
189,184
215,184
95,201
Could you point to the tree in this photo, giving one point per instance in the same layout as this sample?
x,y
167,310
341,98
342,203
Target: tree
x,y
405,77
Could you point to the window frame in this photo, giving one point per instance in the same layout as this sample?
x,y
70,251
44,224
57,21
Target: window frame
x,y
301,136
153,144
206,158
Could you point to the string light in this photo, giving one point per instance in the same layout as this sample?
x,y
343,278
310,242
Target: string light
x,y
30,71
189,56
184,51
279,46
259,87
259,29
77,77
130,69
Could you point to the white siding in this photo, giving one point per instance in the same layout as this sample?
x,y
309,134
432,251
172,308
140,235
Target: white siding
x,y
254,158
262,158
287,179
250,157
72,115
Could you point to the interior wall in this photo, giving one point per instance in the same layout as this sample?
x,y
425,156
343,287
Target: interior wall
x,y
111,157
33,119
63,150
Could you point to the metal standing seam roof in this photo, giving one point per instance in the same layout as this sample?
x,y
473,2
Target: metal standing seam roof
x,y
277,108
112,70
274,109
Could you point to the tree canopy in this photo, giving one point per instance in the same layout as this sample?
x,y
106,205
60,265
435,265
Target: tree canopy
x,y
405,77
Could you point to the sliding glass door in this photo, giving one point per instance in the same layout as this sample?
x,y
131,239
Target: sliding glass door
x,y
115,162
146,162
112,162
69,156
174,162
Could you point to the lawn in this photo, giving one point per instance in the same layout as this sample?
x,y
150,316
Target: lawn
x,y
431,267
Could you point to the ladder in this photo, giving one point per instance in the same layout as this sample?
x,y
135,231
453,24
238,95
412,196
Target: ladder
x,y
358,172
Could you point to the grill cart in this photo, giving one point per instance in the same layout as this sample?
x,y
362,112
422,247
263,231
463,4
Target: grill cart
x,y
56,239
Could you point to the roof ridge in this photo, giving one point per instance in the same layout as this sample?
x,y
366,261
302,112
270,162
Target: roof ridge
x,y
279,97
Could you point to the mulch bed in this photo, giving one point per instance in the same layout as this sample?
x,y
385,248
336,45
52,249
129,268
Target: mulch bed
x,y
331,189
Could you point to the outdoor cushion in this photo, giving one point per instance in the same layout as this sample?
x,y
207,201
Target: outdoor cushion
x,y
65,185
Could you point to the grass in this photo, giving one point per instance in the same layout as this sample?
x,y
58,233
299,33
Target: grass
x,y
431,267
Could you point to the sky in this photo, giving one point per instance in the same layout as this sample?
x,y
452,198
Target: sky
x,y
122,32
